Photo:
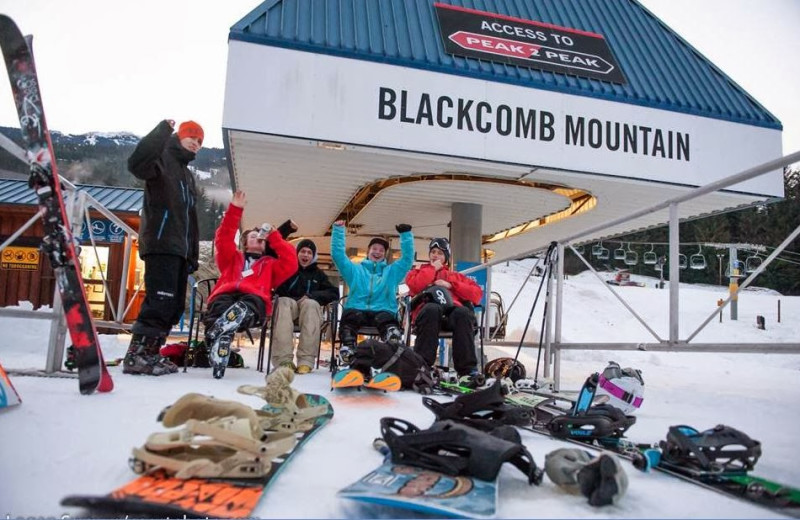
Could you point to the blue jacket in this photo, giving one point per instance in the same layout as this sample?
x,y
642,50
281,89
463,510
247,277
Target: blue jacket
x,y
373,285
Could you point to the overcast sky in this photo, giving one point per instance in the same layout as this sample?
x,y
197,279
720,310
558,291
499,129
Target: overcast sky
x,y
111,65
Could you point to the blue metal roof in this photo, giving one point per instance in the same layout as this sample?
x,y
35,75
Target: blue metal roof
x,y
116,200
662,70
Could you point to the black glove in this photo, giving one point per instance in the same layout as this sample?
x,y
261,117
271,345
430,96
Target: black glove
x,y
402,228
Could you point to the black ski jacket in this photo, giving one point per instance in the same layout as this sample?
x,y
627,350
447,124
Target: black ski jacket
x,y
169,217
312,282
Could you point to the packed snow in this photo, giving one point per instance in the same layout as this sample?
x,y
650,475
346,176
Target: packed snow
x,y
58,442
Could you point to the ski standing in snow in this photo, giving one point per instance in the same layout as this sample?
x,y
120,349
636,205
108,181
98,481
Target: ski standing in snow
x,y
58,244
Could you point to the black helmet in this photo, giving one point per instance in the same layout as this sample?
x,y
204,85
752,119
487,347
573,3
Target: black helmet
x,y
505,367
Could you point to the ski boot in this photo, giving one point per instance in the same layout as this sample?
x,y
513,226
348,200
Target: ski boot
x,y
143,357
220,336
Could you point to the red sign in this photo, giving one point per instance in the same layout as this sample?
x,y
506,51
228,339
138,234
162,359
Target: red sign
x,y
494,45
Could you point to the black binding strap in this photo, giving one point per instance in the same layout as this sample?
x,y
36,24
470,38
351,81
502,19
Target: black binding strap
x,y
455,449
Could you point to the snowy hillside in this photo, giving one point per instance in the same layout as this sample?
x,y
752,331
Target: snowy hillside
x,y
58,442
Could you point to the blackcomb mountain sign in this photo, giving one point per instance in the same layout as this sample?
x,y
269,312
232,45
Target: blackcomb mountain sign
x,y
537,45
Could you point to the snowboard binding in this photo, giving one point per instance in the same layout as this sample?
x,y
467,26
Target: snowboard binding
x,y
456,449
484,409
287,409
220,447
721,449
598,422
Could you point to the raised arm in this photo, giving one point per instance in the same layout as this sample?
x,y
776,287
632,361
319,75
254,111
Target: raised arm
x,y
143,161
338,252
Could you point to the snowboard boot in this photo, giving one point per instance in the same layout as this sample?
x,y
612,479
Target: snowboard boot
x,y
229,322
220,336
220,354
347,350
393,336
140,358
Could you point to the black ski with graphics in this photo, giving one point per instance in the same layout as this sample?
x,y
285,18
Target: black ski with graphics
x,y
57,243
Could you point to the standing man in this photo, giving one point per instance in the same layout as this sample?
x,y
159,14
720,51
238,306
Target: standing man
x,y
302,298
372,298
430,316
168,238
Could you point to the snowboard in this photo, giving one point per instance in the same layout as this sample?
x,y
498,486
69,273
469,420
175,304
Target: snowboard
x,y
159,495
57,244
352,378
8,394
426,491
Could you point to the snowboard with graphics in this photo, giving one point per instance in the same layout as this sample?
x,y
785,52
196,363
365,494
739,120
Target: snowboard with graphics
x,y
159,495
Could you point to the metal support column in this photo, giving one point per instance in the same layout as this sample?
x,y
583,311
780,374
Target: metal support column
x,y
733,282
674,273
558,315
465,232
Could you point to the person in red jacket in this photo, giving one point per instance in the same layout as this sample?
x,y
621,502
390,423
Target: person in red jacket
x,y
242,296
429,316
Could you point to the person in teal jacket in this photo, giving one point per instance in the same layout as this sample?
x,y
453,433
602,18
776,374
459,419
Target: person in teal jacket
x,y
372,297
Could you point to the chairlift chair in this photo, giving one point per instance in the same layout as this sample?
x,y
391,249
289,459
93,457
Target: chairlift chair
x,y
631,256
751,263
604,254
698,260
619,253
596,249
683,262
650,257
580,249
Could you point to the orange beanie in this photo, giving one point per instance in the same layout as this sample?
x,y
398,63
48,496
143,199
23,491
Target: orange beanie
x,y
190,129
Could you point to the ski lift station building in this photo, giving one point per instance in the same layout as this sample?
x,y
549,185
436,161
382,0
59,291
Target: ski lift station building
x,y
504,125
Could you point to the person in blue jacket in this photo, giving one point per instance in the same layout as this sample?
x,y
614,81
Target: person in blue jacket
x,y
372,297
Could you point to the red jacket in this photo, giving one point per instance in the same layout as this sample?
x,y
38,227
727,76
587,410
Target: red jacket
x,y
268,272
463,289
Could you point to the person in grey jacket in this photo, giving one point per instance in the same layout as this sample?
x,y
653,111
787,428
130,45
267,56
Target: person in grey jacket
x,y
168,238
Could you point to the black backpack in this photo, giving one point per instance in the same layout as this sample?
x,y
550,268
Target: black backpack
x,y
409,366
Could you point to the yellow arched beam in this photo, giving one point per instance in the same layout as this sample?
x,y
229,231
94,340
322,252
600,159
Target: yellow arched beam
x,y
581,201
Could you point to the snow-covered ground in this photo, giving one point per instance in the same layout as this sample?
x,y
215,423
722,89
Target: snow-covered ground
x,y
58,442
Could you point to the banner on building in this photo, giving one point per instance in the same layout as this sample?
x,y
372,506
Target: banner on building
x,y
526,43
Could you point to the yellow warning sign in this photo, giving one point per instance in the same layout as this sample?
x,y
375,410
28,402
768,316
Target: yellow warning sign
x,y
15,257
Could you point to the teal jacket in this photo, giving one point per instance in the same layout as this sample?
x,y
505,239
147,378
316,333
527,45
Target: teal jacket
x,y
373,285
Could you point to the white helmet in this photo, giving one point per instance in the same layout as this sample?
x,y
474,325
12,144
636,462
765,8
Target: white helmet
x,y
623,386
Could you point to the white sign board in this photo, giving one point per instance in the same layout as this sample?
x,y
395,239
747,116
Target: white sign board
x,y
314,96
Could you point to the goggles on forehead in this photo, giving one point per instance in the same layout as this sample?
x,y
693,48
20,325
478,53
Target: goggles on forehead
x,y
440,243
